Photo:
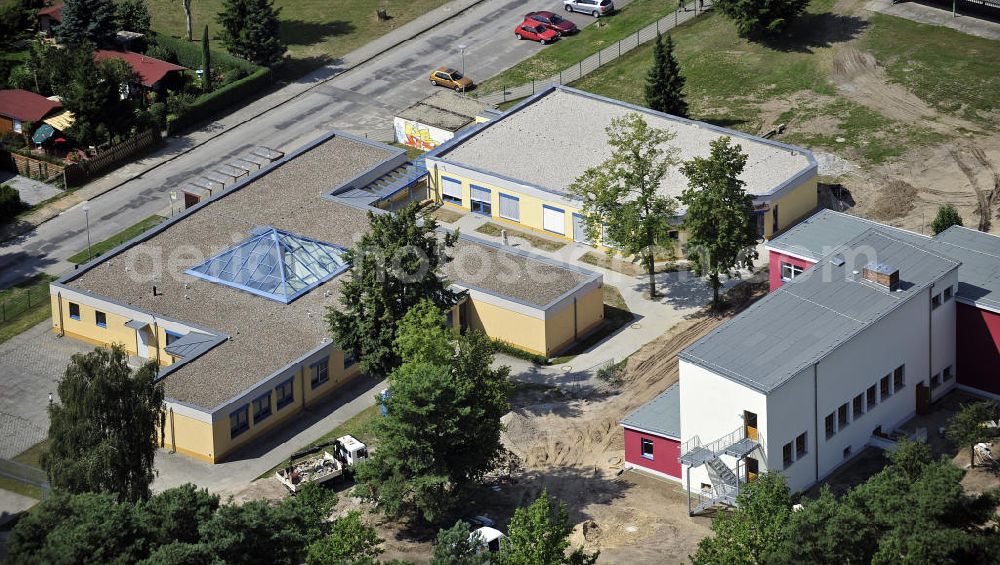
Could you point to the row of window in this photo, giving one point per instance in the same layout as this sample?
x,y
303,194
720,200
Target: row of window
x,y
946,375
480,199
793,451
239,420
846,413
942,297
100,318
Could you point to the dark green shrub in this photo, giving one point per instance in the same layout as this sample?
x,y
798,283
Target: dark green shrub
x,y
514,351
206,105
10,203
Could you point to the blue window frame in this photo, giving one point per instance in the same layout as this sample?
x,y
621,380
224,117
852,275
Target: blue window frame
x,y
101,319
481,200
74,310
262,407
451,190
238,421
349,360
286,393
172,337
321,372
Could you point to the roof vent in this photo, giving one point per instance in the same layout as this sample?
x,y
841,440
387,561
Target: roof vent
x,y
882,274
837,260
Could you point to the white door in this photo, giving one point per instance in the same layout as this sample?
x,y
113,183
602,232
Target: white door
x,y
142,339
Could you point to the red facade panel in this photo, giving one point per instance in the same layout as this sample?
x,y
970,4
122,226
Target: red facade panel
x,y
665,453
774,261
978,348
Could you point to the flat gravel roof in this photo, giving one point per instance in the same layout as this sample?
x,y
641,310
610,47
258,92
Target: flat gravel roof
x,y
552,139
445,109
266,335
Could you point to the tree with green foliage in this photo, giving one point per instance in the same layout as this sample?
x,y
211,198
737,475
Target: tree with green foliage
x,y
10,203
132,15
174,515
722,235
206,63
106,426
350,542
664,83
623,203
947,216
88,21
456,546
968,426
747,533
825,531
539,535
92,91
441,431
394,266
761,18
250,30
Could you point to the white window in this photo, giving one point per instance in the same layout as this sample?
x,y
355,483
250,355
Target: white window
x,y
18,128
947,294
790,271
451,190
510,207
554,220
647,448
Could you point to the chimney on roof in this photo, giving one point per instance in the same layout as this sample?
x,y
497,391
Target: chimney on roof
x,y
882,274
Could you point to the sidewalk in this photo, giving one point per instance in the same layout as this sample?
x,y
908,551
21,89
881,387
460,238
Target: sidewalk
x,y
174,147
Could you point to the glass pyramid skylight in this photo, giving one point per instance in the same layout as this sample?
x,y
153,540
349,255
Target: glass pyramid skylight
x,y
274,264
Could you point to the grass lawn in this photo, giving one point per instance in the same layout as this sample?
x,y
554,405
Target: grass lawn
x,y
32,457
24,306
591,39
545,244
445,215
20,488
117,239
357,426
729,80
316,31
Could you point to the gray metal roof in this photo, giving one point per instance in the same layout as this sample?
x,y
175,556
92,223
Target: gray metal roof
x,y
661,415
806,319
192,345
979,253
979,275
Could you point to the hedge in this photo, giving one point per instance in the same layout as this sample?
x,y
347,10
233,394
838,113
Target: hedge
x,y
515,351
10,203
229,95
189,55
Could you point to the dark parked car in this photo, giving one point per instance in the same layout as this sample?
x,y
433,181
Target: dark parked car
x,y
553,21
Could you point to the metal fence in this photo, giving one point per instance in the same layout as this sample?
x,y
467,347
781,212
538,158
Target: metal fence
x,y
602,57
21,300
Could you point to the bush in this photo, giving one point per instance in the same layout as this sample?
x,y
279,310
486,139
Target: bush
x,y
208,104
947,216
514,351
189,54
10,203
162,53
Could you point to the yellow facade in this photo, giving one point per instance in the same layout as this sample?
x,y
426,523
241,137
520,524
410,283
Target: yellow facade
x,y
793,206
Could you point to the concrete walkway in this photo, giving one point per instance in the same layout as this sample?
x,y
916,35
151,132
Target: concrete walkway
x,y
939,15
32,191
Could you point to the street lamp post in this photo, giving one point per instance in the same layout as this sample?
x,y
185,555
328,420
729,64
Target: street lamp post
x,y
463,47
86,214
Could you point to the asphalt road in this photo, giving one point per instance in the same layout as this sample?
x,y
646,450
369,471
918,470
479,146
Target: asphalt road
x,y
362,99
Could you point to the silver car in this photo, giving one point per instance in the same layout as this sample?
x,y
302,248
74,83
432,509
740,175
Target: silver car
x,y
596,8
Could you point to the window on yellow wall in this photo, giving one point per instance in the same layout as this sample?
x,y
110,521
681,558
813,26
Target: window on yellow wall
x,y
349,360
74,310
286,393
262,407
101,319
238,421
321,372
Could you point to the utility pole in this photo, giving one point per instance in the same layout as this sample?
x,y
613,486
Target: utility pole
x,y
86,213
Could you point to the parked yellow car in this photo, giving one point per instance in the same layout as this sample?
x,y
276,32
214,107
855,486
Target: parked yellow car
x,y
450,78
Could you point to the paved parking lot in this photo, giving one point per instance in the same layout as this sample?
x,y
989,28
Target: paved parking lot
x,y
30,366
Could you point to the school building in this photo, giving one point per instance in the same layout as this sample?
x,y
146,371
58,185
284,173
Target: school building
x,y
229,297
517,168
865,326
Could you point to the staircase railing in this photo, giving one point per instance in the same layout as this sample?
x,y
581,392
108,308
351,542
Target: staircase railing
x,y
717,447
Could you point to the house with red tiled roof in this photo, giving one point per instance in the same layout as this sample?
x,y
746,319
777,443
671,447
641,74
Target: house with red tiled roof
x,y
49,17
153,73
19,106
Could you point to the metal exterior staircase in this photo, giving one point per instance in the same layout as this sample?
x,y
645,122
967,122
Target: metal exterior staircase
x,y
725,481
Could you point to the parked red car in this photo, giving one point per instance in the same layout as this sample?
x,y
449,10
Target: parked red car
x,y
535,31
553,21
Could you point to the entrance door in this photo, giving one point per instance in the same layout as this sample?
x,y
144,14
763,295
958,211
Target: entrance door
x,y
142,343
750,425
753,468
580,229
923,398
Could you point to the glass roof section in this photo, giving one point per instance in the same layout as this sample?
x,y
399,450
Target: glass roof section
x,y
274,264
